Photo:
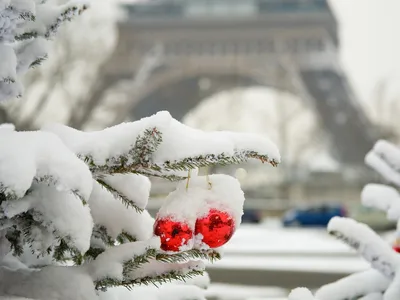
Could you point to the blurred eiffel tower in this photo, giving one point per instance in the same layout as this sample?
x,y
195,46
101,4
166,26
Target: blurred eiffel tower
x,y
167,49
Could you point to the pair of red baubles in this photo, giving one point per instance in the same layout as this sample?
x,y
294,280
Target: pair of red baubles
x,y
215,230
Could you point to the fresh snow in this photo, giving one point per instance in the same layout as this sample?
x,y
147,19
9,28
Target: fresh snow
x,y
367,243
116,217
59,212
187,142
25,156
383,197
155,268
361,283
135,187
8,63
384,159
110,263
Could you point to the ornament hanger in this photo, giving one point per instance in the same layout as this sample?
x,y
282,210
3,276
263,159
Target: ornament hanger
x,y
188,179
208,180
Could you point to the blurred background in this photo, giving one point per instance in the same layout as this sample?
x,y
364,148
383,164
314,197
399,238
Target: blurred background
x,y
320,78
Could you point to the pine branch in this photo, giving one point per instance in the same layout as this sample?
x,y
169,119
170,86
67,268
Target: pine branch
x,y
7,80
21,233
145,146
15,238
38,61
367,243
157,174
138,261
26,36
100,232
125,237
210,255
51,29
92,253
66,15
212,159
26,15
138,157
124,199
7,194
50,180
158,279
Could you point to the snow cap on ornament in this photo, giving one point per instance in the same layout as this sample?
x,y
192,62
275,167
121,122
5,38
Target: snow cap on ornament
x,y
203,213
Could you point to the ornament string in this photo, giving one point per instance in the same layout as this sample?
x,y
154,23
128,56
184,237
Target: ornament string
x,y
188,179
208,180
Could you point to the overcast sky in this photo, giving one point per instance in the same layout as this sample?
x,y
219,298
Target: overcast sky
x,y
370,34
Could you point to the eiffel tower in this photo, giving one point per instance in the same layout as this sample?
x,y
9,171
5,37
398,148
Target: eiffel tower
x,y
289,45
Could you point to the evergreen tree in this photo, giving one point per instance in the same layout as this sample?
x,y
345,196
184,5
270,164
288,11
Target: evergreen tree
x,y
73,219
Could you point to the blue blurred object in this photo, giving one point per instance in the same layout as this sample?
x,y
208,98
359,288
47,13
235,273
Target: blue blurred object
x,y
251,216
313,216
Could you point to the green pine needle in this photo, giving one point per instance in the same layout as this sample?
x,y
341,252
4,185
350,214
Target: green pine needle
x,y
155,280
211,255
26,36
124,199
38,61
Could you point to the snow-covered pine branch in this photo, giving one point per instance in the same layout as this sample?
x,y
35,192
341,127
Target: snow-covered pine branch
x,y
382,197
385,159
382,281
80,197
144,147
367,243
25,25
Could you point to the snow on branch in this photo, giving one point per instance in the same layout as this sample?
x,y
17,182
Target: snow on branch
x,y
30,53
367,243
115,262
49,19
355,286
382,197
116,218
59,213
159,144
131,189
373,296
301,294
156,272
135,263
385,159
8,64
393,291
28,157
24,27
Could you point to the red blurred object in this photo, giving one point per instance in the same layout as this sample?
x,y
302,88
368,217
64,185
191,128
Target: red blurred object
x,y
396,248
217,228
173,234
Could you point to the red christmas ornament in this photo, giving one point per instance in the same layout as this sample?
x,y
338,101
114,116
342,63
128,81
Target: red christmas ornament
x,y
396,248
173,234
217,228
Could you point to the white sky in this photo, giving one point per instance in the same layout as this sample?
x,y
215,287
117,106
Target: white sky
x,y
370,41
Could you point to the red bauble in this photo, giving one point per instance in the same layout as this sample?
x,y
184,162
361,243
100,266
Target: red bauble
x,y
396,248
217,228
173,234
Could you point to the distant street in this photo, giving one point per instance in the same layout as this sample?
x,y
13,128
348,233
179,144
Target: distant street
x,y
269,256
